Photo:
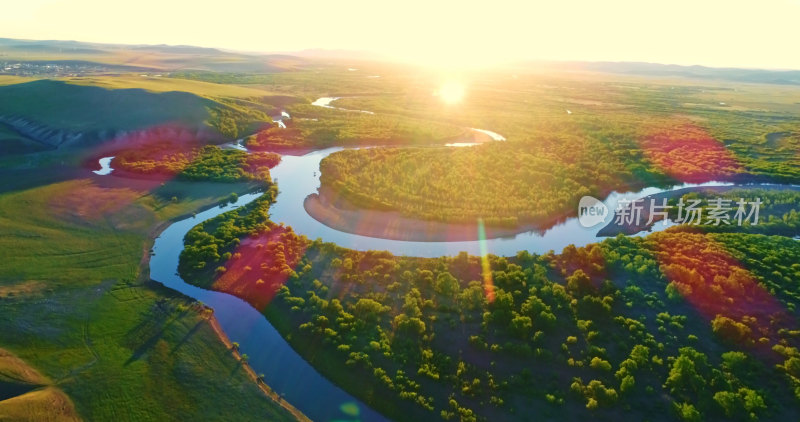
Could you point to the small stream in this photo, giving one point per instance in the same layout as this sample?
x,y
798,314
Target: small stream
x,y
105,166
325,102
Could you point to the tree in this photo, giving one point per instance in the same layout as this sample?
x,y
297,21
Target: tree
x,y
688,413
579,283
735,362
502,307
731,330
684,378
472,298
601,364
409,325
745,399
446,285
594,392
726,400
368,310
522,326
534,306
627,383
752,401
641,355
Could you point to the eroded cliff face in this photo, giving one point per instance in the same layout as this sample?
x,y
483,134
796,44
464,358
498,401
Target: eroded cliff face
x,y
45,135
53,138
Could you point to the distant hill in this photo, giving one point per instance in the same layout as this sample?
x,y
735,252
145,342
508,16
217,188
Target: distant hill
x,y
781,77
165,58
339,54
49,46
158,57
49,114
176,49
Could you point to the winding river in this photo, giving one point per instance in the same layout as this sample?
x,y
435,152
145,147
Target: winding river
x,y
302,174
285,371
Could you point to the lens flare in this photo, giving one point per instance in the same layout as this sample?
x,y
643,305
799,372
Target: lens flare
x,y
486,269
451,92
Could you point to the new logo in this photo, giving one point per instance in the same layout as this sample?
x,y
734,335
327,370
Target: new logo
x,y
591,211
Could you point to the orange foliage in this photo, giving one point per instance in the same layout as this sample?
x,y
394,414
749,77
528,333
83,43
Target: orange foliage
x,y
163,150
85,201
589,259
689,154
712,281
259,163
274,138
261,265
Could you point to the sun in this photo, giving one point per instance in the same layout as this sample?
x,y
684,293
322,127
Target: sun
x,y
451,92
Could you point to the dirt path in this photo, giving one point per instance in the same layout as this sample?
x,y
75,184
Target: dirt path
x,y
262,385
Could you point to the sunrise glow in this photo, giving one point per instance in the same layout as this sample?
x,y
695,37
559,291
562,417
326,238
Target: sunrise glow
x,y
451,92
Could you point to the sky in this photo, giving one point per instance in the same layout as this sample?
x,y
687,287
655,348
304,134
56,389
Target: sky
x,y
738,33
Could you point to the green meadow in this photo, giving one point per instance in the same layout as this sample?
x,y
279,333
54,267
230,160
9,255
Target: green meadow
x,y
79,307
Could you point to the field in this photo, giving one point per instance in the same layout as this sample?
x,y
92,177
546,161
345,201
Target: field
x,y
27,395
77,307
614,137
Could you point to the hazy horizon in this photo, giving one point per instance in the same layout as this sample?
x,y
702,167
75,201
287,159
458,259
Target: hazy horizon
x,y
445,34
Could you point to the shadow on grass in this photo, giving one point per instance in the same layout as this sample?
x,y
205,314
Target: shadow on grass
x,y
236,368
146,334
186,337
10,390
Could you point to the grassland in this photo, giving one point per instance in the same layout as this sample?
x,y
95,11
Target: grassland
x,y
11,80
568,137
53,103
330,80
12,143
165,84
78,307
317,127
314,127
56,113
26,395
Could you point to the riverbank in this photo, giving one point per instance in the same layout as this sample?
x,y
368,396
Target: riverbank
x,y
338,213
214,324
